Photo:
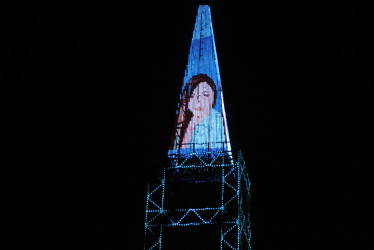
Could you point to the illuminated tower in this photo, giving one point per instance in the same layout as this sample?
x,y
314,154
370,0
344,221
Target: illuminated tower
x,y
201,201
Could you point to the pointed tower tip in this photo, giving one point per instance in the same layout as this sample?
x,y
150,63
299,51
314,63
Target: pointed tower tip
x,y
201,124
203,7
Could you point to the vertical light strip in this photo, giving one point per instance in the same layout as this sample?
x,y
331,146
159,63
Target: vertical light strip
x,y
146,216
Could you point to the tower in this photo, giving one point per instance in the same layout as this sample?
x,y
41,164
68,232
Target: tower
x,y
201,200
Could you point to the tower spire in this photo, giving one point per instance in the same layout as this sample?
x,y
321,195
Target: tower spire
x,y
204,192
201,124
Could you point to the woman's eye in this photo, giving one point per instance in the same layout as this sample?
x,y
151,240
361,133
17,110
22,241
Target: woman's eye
x,y
205,93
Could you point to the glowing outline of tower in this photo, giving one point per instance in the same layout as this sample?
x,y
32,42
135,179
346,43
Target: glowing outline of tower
x,y
202,164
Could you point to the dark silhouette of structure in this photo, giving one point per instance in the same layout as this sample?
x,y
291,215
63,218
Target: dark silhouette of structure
x,y
201,200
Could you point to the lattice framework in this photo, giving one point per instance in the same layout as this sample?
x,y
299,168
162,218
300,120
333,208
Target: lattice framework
x,y
230,214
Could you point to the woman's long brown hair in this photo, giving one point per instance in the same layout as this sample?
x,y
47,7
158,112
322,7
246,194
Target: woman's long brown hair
x,y
184,114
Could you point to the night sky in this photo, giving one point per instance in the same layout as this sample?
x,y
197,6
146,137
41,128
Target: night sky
x,y
89,100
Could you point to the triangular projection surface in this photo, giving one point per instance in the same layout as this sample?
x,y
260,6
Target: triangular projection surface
x,y
201,124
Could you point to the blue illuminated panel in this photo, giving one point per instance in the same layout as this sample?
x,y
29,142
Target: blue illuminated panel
x,y
201,124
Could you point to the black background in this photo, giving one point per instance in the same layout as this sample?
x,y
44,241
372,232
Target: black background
x,y
89,99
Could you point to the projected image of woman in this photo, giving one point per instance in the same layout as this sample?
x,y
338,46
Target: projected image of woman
x,y
199,124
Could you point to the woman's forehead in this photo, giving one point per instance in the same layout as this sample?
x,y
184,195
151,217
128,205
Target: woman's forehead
x,y
203,86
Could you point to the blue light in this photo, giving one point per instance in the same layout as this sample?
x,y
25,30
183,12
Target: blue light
x,y
201,147
201,119
221,215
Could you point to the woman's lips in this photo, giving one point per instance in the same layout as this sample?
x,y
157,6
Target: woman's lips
x,y
198,108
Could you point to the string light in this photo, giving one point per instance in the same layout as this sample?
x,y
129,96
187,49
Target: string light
x,y
233,176
201,158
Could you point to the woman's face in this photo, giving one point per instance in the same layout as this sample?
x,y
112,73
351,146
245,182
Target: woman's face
x,y
201,100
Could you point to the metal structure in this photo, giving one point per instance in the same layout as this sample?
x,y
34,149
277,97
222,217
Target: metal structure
x,y
201,199
226,210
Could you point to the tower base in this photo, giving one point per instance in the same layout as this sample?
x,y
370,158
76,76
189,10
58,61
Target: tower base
x,y
201,202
